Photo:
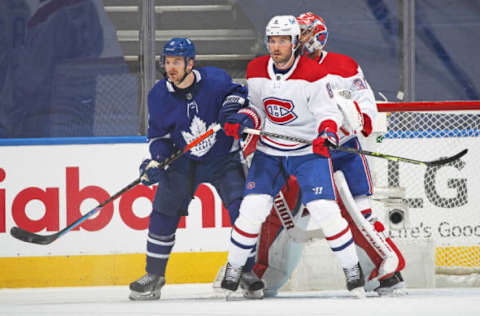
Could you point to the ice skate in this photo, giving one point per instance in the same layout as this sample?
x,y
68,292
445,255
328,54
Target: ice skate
x,y
147,288
251,285
231,278
391,286
355,281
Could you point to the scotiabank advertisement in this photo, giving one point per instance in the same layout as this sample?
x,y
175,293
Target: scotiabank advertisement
x,y
45,188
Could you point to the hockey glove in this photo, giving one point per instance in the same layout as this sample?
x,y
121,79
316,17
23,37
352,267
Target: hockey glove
x,y
367,125
236,123
327,136
230,106
150,173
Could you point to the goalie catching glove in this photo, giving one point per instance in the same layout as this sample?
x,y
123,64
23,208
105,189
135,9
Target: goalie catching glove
x,y
150,173
327,133
352,114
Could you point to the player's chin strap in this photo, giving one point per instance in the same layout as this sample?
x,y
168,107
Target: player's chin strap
x,y
438,162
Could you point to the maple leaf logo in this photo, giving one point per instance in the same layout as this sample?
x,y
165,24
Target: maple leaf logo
x,y
197,128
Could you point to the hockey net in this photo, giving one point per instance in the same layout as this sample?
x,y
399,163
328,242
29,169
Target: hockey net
x,y
443,203
439,232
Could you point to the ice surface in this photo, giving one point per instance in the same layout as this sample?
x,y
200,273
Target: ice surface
x,y
201,299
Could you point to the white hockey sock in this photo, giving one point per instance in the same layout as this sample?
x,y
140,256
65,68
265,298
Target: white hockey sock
x,y
337,232
340,239
243,240
246,229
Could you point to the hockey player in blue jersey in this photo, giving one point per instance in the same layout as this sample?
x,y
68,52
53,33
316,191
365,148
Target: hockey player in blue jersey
x,y
182,107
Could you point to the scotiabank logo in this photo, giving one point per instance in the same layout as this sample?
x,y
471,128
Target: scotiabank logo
x,y
74,196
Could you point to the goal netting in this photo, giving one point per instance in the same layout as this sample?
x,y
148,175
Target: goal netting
x,y
443,201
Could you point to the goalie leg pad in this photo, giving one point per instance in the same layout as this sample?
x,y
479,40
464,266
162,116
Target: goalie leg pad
x,y
363,203
375,239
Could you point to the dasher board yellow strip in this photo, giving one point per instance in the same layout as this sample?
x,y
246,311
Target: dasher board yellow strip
x,y
116,269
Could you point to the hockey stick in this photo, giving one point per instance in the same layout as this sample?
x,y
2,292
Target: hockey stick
x,y
27,236
438,162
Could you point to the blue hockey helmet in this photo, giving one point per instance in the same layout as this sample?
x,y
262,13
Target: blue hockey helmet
x,y
179,47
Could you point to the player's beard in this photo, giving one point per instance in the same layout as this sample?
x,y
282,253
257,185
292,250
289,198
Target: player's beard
x,y
175,77
281,61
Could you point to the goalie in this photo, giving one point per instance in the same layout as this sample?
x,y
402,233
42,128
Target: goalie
x,y
380,259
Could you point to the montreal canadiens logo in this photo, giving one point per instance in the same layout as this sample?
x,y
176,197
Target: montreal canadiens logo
x,y
279,111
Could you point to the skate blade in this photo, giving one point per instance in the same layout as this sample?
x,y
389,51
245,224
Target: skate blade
x,y
396,290
149,296
233,296
358,292
253,295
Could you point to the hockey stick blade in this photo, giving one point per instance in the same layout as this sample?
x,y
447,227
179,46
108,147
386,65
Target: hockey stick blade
x,y
27,236
444,161
438,162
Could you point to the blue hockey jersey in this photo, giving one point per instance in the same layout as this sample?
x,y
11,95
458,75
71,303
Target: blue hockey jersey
x,y
178,116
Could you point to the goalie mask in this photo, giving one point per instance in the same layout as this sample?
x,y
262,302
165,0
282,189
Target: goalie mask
x,y
315,30
284,25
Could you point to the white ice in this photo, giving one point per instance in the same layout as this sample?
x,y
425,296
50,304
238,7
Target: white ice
x,y
201,299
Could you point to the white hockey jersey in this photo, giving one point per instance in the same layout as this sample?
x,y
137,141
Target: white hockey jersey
x,y
345,73
293,104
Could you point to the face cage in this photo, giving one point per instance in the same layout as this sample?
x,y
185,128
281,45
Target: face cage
x,y
314,43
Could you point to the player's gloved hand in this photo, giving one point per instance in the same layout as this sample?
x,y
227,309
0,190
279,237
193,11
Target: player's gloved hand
x,y
230,106
150,172
327,136
367,125
236,123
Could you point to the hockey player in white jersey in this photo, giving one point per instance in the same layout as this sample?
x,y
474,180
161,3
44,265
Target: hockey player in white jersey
x,y
289,94
380,259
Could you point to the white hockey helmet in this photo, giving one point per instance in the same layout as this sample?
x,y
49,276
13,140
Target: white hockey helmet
x,y
284,25
314,26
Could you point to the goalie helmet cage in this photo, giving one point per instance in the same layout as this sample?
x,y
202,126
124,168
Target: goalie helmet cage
x,y
443,215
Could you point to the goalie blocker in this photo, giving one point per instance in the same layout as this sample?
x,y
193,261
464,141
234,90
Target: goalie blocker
x,y
278,254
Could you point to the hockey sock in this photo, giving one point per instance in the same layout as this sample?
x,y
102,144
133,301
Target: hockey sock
x,y
337,232
243,240
160,241
340,240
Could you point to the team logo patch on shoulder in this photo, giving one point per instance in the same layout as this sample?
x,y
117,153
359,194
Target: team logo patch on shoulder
x,y
279,111
359,84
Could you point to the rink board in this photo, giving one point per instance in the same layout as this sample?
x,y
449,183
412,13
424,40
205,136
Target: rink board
x,y
43,188
109,248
